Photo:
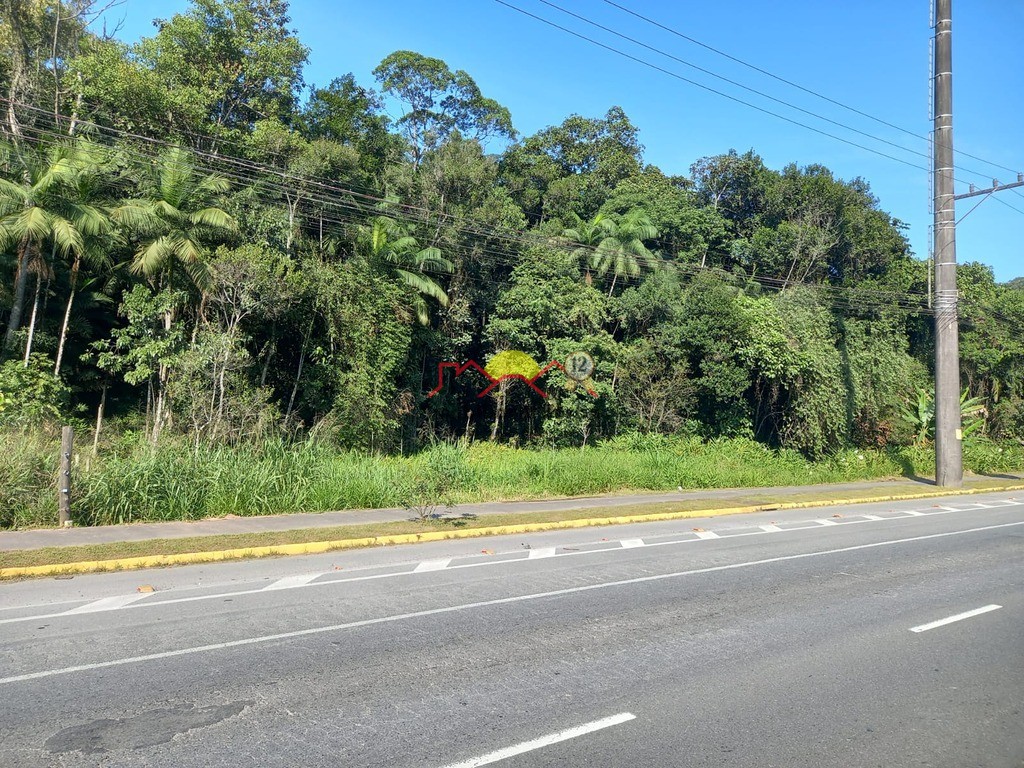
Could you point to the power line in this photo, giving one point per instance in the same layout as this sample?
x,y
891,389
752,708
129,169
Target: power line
x,y
792,84
755,91
352,211
708,88
1011,207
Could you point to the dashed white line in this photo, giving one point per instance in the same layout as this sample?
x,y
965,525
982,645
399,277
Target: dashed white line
x,y
545,741
483,604
631,543
541,552
108,603
310,580
707,535
825,521
913,513
432,565
290,582
957,617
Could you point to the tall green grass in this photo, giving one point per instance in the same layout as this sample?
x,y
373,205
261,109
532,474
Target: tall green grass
x,y
132,482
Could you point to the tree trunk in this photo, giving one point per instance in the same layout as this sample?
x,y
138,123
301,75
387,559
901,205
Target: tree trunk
x,y
20,283
99,421
67,315
295,387
270,354
298,375
499,415
161,386
32,322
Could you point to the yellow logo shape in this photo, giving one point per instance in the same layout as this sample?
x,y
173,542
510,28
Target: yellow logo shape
x,y
512,363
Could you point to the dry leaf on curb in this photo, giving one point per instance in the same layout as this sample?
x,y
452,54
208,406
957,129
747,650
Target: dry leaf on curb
x,y
145,588
486,551
699,530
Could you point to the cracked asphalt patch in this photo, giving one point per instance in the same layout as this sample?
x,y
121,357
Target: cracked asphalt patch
x,y
146,729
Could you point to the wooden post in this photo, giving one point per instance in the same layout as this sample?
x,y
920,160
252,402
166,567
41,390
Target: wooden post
x,y
67,437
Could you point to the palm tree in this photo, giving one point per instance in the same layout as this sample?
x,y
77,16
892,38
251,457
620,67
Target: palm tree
x,y
29,217
175,223
624,251
177,220
587,236
82,203
386,244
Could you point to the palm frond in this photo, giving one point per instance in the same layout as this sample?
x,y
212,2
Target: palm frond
x,y
66,236
214,218
423,285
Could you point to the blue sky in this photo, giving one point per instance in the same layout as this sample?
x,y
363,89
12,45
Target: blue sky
x,y
870,54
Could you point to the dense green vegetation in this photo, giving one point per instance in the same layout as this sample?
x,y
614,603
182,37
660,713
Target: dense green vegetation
x,y
242,284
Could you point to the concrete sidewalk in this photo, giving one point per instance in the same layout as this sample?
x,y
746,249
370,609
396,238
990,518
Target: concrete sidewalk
x,y
37,538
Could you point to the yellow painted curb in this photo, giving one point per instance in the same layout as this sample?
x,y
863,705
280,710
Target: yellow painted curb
x,y
319,547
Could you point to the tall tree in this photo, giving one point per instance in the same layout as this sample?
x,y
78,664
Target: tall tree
x,y
439,102
174,225
85,204
30,214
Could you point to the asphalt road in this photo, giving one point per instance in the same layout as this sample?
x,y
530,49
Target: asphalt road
x,y
802,638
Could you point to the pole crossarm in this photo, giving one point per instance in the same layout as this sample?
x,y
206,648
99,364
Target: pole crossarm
x,y
996,187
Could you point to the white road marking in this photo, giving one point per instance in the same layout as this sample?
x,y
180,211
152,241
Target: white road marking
x,y
540,553
108,603
983,506
545,741
536,554
485,604
949,509
707,535
824,521
291,582
631,543
913,513
432,565
958,617
770,528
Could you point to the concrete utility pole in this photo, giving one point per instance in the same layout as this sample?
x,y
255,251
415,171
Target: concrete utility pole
x,y
949,466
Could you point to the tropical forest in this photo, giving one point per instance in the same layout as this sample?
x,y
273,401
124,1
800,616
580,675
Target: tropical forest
x,y
250,294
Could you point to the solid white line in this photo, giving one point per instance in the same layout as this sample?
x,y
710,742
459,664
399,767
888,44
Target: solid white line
x,y
108,603
958,617
826,522
545,741
631,543
486,604
873,517
770,528
542,552
432,565
291,582
707,535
